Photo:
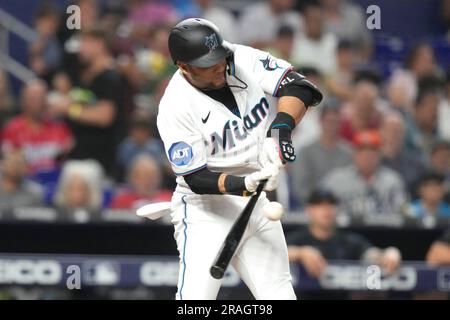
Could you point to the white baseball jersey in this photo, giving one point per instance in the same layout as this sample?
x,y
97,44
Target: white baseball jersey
x,y
200,132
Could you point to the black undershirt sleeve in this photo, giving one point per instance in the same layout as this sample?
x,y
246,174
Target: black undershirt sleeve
x,y
207,182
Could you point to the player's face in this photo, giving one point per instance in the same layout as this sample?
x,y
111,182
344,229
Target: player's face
x,y
206,78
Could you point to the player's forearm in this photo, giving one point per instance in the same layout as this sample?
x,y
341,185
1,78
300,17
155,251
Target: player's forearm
x,y
208,182
293,106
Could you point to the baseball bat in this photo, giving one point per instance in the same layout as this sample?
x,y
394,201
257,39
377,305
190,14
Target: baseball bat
x,y
234,236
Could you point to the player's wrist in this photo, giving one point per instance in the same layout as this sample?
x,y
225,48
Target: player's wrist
x,y
234,185
282,126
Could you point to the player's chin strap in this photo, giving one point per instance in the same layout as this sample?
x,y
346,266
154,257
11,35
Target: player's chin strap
x,y
232,72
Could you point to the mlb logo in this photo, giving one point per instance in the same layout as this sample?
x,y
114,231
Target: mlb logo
x,y
106,273
211,42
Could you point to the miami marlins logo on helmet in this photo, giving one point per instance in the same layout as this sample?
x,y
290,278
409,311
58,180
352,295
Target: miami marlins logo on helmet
x,y
269,64
211,42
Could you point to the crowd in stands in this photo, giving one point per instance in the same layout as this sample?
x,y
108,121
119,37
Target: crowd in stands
x,y
82,134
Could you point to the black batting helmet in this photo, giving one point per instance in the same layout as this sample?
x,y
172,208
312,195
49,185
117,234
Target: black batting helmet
x,y
197,42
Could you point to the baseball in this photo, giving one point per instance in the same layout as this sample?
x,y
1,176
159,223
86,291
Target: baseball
x,y
273,210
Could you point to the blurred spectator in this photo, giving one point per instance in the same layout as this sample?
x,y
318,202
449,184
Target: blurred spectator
x,y
7,103
95,112
15,189
283,43
322,242
139,141
144,183
153,12
422,125
439,252
315,47
259,22
221,17
61,86
42,139
409,164
445,14
70,38
366,187
152,63
420,62
439,159
80,188
46,52
361,113
444,109
431,192
347,20
320,157
340,81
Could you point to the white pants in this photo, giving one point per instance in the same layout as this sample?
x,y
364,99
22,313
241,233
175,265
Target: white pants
x,y
202,222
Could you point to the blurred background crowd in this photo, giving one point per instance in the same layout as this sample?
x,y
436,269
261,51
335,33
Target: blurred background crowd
x,y
78,128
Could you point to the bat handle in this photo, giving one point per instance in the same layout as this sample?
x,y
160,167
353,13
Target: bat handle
x,y
217,272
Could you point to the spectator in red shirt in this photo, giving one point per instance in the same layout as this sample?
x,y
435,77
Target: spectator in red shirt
x,y
144,181
41,139
362,112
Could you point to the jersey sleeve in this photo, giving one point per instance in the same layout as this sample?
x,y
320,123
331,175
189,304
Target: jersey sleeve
x,y
269,71
183,142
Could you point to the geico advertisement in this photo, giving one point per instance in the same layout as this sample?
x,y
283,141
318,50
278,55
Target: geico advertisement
x,y
27,272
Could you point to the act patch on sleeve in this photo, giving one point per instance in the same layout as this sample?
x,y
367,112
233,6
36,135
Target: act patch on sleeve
x,y
180,153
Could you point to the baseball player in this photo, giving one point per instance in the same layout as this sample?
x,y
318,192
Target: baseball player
x,y
213,122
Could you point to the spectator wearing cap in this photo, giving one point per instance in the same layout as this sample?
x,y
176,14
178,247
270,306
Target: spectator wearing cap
x,y
321,241
431,191
366,187
409,164
320,157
